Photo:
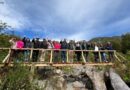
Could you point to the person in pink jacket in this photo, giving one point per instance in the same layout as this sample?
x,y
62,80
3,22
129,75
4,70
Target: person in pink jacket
x,y
57,46
19,44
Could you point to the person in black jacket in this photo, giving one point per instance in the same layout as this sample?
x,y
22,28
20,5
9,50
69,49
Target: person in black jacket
x,y
103,54
27,44
71,47
36,44
78,53
110,54
43,45
85,46
64,45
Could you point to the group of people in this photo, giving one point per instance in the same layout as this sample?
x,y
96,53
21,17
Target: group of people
x,y
74,49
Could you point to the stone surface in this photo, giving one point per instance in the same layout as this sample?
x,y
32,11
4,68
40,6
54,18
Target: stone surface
x,y
78,81
97,76
116,81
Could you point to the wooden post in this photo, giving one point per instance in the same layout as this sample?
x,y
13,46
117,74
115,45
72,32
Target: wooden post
x,y
31,53
99,53
7,57
32,71
83,57
120,56
51,56
116,56
67,51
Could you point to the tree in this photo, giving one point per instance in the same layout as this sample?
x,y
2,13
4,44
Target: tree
x,y
125,43
3,26
116,44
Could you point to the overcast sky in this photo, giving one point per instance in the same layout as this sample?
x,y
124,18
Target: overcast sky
x,y
72,19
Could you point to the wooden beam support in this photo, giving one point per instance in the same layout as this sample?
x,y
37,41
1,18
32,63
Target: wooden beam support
x,y
67,54
62,65
100,59
31,53
51,56
83,57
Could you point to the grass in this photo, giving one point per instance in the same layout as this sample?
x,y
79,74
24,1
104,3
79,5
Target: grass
x,y
3,54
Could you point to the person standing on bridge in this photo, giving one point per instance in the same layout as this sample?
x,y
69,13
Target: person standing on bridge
x,y
13,53
85,46
36,45
110,47
43,45
96,53
78,53
64,45
20,45
57,46
103,54
50,46
71,47
27,44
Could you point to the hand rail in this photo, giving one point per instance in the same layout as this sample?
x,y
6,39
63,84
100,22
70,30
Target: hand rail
x,y
67,53
56,49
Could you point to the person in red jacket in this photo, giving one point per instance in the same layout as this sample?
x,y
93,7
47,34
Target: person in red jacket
x,y
57,46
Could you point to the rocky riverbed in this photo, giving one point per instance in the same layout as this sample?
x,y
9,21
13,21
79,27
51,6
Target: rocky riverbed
x,y
79,78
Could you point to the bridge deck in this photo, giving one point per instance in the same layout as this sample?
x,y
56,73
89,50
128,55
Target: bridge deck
x,y
61,64
51,63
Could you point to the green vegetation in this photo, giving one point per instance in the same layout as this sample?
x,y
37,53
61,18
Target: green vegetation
x,y
3,26
4,43
122,45
125,43
16,78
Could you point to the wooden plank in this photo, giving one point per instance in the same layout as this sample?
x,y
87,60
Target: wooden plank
x,y
83,57
7,57
57,49
100,59
31,54
67,54
120,56
51,56
62,65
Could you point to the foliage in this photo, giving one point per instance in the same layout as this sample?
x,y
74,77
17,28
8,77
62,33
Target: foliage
x,y
122,45
17,78
115,40
3,26
123,67
67,69
4,43
125,43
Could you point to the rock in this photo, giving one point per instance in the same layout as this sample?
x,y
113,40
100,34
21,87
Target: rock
x,y
59,71
78,85
116,81
96,76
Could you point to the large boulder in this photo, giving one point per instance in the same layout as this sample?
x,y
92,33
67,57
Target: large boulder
x,y
116,81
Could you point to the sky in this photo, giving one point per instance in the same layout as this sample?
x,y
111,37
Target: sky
x,y
71,19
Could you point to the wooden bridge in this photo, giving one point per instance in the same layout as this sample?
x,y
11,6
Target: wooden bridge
x,y
50,62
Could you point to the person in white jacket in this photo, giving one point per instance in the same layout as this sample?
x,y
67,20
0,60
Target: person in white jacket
x,y
13,52
96,49
13,43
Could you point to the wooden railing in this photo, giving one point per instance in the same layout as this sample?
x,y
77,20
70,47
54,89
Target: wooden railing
x,y
67,53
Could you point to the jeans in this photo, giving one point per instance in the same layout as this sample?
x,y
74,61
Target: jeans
x,y
63,56
103,56
26,55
